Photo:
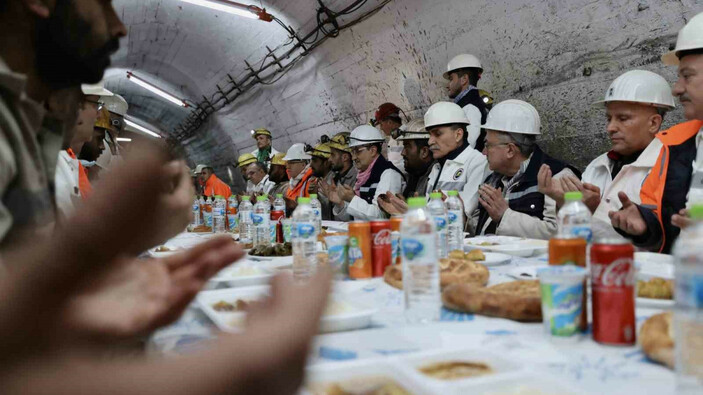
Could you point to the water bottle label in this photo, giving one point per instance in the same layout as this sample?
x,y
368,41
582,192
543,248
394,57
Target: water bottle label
x,y
208,219
257,219
272,232
317,212
452,217
689,291
419,248
233,221
583,232
305,230
441,223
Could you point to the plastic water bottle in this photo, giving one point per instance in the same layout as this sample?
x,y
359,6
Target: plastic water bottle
x,y
262,221
207,215
574,218
439,213
304,235
688,314
279,204
418,239
317,209
219,212
455,228
246,227
232,217
196,212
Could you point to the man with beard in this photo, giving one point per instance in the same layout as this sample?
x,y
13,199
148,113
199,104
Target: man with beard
x,y
322,169
278,175
344,172
92,150
418,163
71,180
463,73
44,47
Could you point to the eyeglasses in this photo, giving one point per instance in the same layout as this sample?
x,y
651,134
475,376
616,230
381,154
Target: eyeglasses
x,y
358,150
97,103
488,145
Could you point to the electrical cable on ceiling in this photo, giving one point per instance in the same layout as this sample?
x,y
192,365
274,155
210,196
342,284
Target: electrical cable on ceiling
x,y
296,47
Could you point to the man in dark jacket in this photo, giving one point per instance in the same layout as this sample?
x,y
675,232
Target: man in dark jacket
x,y
463,73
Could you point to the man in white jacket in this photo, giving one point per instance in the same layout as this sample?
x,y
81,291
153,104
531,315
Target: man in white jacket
x,y
376,176
458,166
635,104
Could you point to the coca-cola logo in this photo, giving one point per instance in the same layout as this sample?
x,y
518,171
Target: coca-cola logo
x,y
383,237
617,274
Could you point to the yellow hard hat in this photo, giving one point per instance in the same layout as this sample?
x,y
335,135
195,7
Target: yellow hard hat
x,y
260,132
246,159
278,159
340,141
103,120
321,150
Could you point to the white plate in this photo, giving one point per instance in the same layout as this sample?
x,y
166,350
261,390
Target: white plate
x,y
650,264
272,261
664,304
525,383
243,275
163,254
495,259
354,316
524,272
510,245
360,371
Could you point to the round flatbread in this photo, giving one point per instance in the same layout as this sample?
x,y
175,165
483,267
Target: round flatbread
x,y
517,300
452,271
657,339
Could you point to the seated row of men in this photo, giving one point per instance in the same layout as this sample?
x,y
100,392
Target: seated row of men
x,y
510,187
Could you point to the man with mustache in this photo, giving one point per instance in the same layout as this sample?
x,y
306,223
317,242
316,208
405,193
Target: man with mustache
x,y
344,173
635,105
44,47
676,180
458,166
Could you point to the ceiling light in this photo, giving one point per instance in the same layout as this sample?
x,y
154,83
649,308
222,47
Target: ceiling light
x,y
125,139
155,89
141,128
247,11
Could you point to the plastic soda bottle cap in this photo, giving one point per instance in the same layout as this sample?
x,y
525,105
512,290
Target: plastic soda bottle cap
x,y
245,197
571,196
303,200
436,195
313,196
453,193
279,195
696,211
262,198
415,202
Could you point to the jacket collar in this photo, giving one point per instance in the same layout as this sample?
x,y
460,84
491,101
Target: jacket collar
x,y
457,155
647,158
16,84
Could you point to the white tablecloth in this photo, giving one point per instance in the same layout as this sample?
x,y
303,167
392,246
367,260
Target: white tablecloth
x,y
585,364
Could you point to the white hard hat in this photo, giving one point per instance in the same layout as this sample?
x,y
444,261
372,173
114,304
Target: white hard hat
x,y
513,116
199,168
640,86
444,113
414,130
365,134
690,37
116,104
463,61
297,152
96,89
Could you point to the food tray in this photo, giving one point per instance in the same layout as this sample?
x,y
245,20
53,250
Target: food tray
x,y
510,245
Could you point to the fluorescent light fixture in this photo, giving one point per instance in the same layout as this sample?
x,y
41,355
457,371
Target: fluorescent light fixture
x,y
155,89
141,128
225,6
125,139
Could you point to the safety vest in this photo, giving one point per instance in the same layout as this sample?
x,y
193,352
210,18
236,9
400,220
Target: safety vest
x,y
652,192
301,190
214,187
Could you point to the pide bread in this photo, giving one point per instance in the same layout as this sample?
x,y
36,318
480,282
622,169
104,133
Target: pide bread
x,y
517,300
657,339
452,271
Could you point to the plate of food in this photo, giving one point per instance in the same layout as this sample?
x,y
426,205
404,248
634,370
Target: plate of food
x,y
164,251
515,246
227,309
458,268
655,280
368,377
243,275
